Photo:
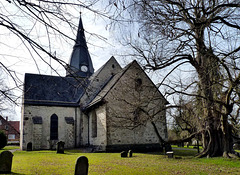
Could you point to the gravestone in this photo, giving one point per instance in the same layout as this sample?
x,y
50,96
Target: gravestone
x,y
124,154
130,153
170,154
60,147
6,162
81,167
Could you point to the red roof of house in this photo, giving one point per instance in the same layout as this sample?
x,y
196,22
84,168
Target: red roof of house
x,y
15,124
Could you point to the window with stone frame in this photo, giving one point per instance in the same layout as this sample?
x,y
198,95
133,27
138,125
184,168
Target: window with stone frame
x,y
94,124
54,127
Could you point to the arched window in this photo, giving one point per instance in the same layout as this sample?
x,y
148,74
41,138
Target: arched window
x,y
54,127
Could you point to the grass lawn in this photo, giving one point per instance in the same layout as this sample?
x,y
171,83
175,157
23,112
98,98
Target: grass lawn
x,y
48,162
6,148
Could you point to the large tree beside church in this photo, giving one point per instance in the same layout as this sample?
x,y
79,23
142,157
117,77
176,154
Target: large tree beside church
x,y
200,34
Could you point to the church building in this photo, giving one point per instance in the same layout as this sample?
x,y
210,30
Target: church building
x,y
112,109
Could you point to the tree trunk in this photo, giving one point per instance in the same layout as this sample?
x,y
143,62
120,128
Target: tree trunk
x,y
216,138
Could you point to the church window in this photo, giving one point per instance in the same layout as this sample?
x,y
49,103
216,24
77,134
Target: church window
x,y
37,120
94,124
138,83
113,66
0,122
54,127
69,120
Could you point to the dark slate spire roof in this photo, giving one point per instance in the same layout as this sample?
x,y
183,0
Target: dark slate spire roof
x,y
80,64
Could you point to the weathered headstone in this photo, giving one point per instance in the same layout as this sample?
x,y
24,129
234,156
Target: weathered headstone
x,y
130,153
6,162
170,154
124,154
60,147
81,167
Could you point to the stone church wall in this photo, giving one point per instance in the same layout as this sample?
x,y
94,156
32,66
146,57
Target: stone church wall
x,y
83,130
132,104
36,126
97,125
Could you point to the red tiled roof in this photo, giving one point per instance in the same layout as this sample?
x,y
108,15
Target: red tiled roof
x,y
15,124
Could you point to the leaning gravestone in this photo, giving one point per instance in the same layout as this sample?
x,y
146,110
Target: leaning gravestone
x,y
60,147
81,167
124,154
5,162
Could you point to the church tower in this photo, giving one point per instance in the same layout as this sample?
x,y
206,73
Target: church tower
x,y
80,64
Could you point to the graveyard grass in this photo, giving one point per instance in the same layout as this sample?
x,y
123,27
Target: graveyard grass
x,y
48,162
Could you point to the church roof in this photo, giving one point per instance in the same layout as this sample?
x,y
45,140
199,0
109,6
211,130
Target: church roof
x,y
100,79
80,63
53,90
110,84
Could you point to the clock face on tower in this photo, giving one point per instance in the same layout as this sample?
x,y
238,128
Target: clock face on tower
x,y
84,68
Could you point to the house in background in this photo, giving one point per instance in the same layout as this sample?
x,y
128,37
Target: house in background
x,y
111,109
11,129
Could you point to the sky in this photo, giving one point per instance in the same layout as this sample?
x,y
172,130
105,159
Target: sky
x,y
15,55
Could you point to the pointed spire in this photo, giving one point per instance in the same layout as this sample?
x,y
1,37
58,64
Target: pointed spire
x,y
80,62
80,35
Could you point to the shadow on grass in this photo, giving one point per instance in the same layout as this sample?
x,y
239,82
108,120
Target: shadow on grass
x,y
182,152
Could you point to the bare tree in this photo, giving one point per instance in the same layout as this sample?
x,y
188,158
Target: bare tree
x,y
29,31
200,34
7,97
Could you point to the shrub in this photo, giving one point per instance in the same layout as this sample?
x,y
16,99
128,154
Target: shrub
x,y
3,139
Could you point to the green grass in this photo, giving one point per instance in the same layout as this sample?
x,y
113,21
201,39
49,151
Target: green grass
x,y
189,147
6,148
48,162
